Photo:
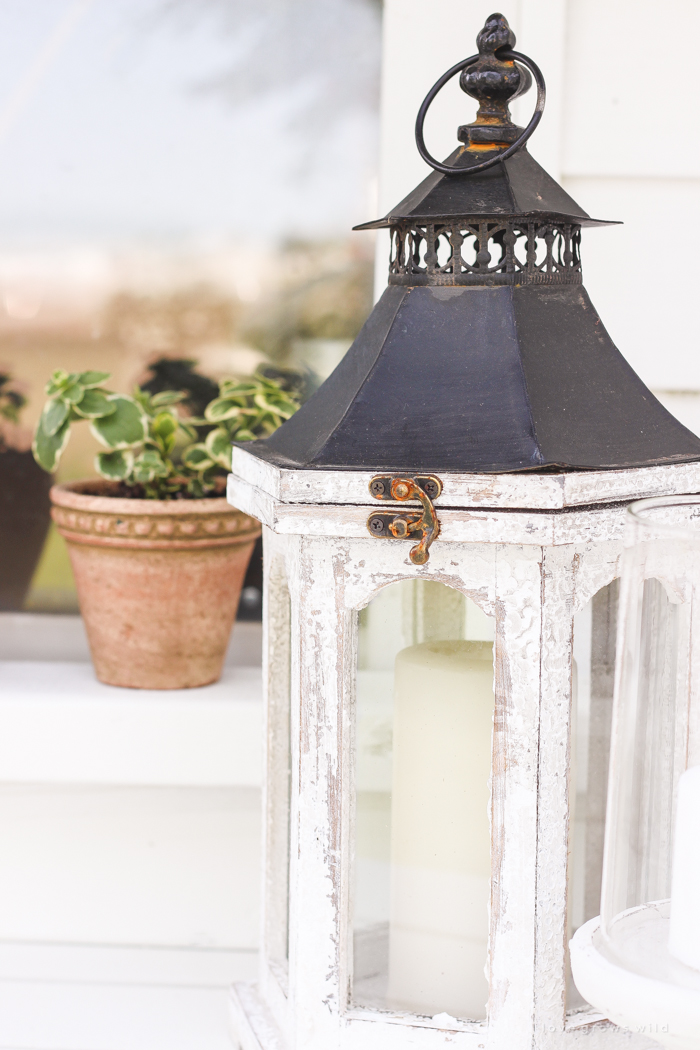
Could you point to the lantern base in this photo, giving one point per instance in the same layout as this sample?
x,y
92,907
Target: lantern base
x,y
252,1026
659,997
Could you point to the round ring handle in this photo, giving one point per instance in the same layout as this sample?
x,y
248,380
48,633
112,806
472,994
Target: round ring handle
x,y
534,121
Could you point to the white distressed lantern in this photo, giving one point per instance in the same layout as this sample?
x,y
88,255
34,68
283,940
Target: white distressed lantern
x,y
442,527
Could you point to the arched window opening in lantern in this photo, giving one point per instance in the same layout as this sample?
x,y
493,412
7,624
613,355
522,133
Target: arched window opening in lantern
x,y
655,713
593,674
422,867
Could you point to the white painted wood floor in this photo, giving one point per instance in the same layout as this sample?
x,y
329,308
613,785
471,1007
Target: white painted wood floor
x,y
129,848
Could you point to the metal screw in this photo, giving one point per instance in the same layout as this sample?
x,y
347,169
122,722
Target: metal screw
x,y
376,525
377,487
430,488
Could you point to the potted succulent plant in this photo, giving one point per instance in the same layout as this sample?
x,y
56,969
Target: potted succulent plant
x,y
24,501
158,554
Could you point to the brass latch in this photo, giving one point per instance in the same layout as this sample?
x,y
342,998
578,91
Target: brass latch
x,y
405,525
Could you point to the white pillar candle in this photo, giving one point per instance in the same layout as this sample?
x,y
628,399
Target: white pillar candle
x,y
684,928
440,838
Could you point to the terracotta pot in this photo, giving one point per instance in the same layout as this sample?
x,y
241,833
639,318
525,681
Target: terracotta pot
x,y
158,581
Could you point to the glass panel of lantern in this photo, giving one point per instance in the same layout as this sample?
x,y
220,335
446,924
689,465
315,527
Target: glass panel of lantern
x,y
425,705
656,731
593,671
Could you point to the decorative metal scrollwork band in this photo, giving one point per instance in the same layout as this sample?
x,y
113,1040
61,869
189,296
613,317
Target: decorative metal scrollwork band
x,y
487,253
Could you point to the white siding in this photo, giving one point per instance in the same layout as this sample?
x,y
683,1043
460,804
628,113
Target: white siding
x,y
620,143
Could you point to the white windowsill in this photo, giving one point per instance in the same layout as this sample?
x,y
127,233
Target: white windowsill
x,y
58,724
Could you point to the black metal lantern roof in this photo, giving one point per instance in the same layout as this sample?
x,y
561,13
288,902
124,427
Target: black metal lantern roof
x,y
485,353
516,188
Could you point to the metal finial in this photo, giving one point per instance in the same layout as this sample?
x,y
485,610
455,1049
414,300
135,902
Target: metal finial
x,y
495,76
494,81
495,34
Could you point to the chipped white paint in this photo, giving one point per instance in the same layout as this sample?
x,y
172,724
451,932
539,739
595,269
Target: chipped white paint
x,y
456,526
530,568
504,491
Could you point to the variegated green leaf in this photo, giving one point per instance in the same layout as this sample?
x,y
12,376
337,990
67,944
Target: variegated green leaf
x,y
92,378
168,397
163,430
54,416
73,393
143,398
94,404
58,382
164,425
125,427
267,402
47,448
153,458
285,411
218,443
149,465
197,457
238,388
222,408
114,465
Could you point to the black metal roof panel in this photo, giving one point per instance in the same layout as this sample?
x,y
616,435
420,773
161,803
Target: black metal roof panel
x,y
485,354
481,379
516,187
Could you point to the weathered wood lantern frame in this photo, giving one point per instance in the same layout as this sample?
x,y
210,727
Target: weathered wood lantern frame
x,y
531,551
530,450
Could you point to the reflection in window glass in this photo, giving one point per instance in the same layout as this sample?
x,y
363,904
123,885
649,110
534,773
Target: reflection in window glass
x,y
131,233
595,630
422,863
